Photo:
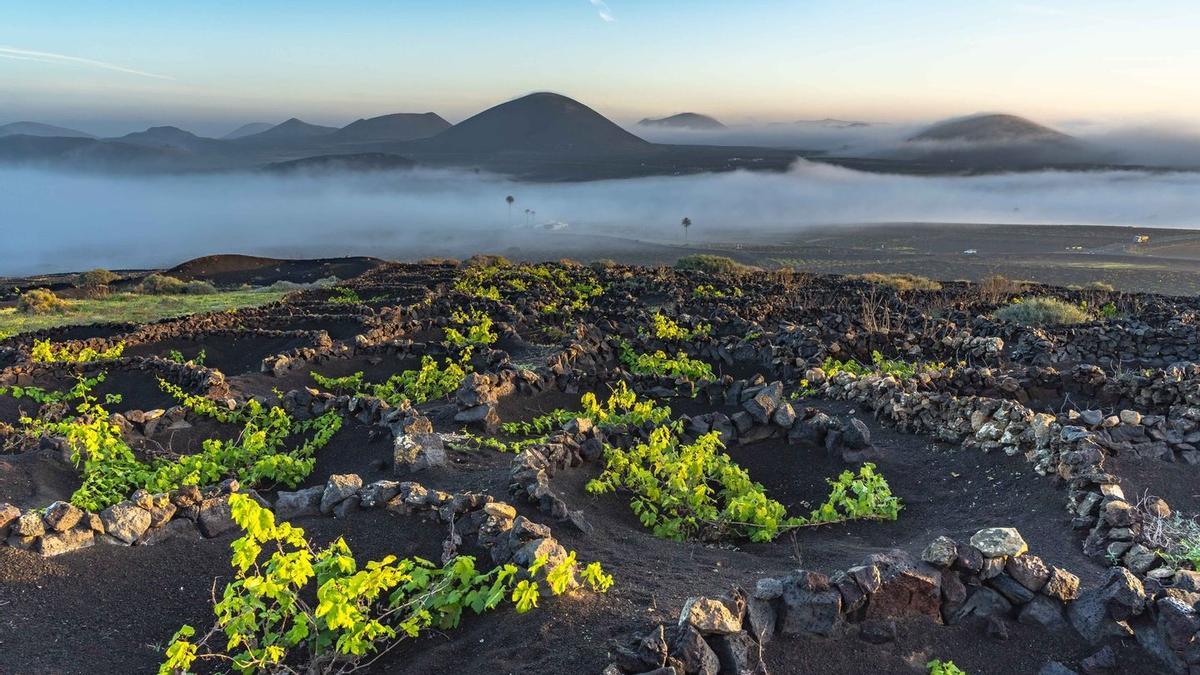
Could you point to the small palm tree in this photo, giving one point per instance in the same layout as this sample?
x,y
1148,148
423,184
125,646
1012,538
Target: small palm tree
x,y
509,200
686,223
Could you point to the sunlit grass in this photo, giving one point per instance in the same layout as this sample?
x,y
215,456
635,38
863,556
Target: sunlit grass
x,y
133,308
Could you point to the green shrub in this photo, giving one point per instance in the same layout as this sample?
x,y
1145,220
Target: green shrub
x,y
45,351
687,490
709,263
664,327
161,284
294,608
341,295
940,667
96,278
416,386
621,408
41,301
199,288
1041,311
661,363
901,282
477,326
95,282
110,469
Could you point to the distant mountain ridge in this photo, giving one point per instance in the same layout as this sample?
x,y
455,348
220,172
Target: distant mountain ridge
x,y
547,137
39,129
247,130
686,120
291,130
165,137
393,127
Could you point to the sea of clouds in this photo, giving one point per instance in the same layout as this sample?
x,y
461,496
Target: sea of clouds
x,y
53,221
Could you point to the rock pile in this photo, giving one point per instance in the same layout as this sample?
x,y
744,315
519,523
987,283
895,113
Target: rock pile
x,y
991,581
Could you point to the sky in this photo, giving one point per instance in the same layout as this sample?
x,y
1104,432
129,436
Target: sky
x,y
210,66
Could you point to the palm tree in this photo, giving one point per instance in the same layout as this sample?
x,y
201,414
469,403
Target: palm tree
x,y
686,223
509,200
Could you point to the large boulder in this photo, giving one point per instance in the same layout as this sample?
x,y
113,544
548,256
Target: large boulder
x,y
29,524
689,647
125,521
941,552
1029,571
906,588
855,434
378,493
339,487
739,654
412,453
1045,612
305,502
997,542
62,516
982,603
8,516
709,616
1062,585
1103,612
811,606
59,542
215,517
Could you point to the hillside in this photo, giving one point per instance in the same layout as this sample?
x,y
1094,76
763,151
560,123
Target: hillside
x,y
537,123
235,270
83,152
247,130
687,120
292,130
39,129
990,129
166,137
394,127
363,161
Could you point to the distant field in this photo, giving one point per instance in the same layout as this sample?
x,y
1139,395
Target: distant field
x,y
135,308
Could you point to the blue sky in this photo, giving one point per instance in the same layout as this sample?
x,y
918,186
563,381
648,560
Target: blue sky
x,y
212,65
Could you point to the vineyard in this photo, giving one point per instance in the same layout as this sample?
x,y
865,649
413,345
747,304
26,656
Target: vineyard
x,y
500,467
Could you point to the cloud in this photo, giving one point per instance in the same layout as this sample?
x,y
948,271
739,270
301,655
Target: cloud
x,y
603,10
17,54
145,221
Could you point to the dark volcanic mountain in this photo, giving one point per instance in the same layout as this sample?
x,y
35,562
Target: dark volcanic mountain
x,y
984,144
394,127
990,129
289,131
538,123
166,137
365,161
39,129
247,130
685,120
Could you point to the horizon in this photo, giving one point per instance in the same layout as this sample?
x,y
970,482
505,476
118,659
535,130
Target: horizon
x,y
110,71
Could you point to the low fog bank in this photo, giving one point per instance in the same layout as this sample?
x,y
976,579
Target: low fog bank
x,y
833,138
55,222
1161,145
